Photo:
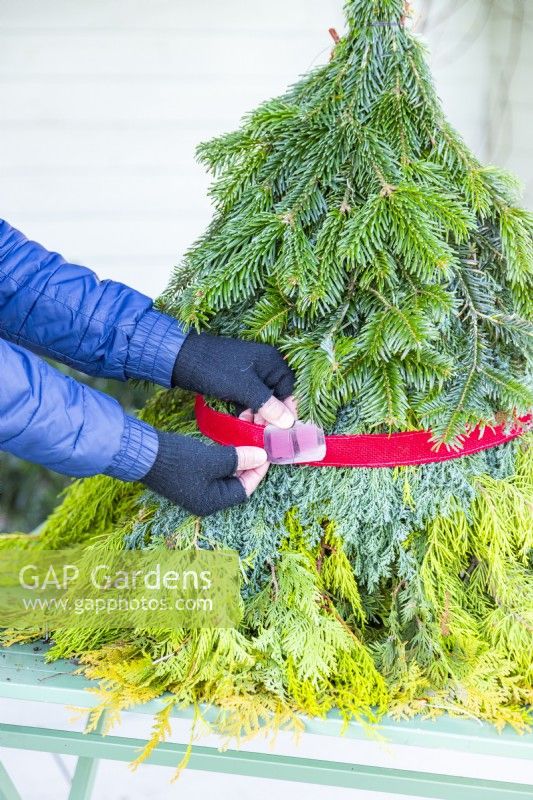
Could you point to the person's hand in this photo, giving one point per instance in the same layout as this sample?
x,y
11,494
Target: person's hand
x,y
205,478
255,376
267,414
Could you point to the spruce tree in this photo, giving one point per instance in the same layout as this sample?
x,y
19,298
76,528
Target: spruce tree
x,y
355,230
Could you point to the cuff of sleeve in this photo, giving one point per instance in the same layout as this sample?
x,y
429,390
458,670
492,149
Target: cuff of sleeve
x,y
138,451
154,347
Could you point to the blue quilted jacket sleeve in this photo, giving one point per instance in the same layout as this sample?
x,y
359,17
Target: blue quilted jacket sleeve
x,y
53,420
64,311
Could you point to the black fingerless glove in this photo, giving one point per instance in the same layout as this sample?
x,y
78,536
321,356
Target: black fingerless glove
x,y
195,475
246,373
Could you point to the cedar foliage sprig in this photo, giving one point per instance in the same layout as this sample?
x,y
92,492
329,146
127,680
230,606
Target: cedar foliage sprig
x,y
355,230
407,590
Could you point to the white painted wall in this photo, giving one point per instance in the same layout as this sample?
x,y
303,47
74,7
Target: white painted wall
x,y
511,97
457,34
103,102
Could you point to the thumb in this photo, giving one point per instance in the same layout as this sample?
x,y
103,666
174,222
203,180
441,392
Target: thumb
x,y
250,458
277,413
251,478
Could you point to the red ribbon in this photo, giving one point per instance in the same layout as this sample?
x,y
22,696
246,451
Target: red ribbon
x,y
362,449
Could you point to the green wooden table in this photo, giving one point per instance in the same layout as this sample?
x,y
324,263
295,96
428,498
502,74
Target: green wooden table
x,y
24,675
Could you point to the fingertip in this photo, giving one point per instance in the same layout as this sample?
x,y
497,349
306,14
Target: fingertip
x,y
250,457
247,415
292,405
277,413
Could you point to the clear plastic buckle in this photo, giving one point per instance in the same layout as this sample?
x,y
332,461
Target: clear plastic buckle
x,y
303,442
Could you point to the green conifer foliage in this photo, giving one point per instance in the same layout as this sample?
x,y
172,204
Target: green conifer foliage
x,y
355,230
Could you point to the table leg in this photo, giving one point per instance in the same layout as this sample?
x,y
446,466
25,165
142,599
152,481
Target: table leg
x,y
85,773
8,790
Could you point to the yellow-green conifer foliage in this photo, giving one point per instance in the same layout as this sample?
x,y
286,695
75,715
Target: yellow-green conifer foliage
x,y
356,231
